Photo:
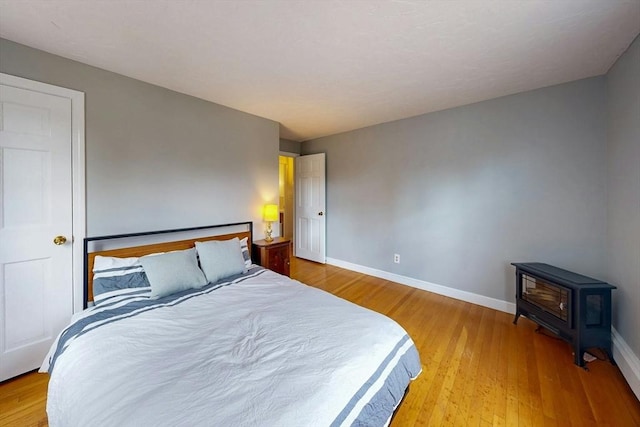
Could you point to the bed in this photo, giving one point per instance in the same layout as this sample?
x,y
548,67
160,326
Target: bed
x,y
252,348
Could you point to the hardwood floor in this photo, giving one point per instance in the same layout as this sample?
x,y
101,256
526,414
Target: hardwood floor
x,y
478,368
23,400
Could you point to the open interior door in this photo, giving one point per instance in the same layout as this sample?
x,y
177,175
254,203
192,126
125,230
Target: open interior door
x,y
310,208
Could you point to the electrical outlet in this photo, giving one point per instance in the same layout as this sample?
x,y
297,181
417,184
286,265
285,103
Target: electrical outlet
x,y
396,258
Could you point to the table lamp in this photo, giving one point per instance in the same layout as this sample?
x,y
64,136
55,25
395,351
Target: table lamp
x,y
270,215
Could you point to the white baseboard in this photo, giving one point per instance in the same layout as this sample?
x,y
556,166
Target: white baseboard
x,y
627,360
496,304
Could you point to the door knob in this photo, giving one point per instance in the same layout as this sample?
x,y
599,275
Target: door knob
x,y
59,240
320,213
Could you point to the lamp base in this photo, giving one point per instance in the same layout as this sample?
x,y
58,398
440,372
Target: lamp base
x,y
267,233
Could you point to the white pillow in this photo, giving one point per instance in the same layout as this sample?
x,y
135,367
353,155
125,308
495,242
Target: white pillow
x,y
172,272
221,258
107,262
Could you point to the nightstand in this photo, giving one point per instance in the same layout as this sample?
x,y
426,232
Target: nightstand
x,y
273,255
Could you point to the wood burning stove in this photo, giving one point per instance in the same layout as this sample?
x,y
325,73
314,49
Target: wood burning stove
x,y
577,308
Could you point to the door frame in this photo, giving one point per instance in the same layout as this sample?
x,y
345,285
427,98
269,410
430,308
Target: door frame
x,y
79,223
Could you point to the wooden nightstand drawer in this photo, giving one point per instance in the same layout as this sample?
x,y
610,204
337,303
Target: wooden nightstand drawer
x,y
273,255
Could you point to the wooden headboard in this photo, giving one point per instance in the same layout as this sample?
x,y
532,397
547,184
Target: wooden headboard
x,y
138,251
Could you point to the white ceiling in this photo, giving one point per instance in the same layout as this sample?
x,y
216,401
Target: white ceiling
x,y
323,67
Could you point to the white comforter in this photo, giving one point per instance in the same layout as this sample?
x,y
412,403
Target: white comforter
x,y
267,351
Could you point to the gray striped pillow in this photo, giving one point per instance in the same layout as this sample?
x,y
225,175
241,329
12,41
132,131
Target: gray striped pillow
x,y
245,252
112,274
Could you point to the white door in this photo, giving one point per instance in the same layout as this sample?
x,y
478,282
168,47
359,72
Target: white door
x,y
310,207
36,287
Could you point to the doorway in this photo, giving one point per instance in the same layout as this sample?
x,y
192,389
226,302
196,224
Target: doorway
x,y
287,195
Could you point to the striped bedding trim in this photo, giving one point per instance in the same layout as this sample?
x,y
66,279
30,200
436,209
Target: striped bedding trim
x,y
132,304
118,271
362,409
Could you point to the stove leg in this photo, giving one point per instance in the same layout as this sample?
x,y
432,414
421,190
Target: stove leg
x,y
610,356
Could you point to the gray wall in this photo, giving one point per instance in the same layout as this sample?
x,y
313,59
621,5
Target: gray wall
x,y
623,190
156,158
290,146
461,193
